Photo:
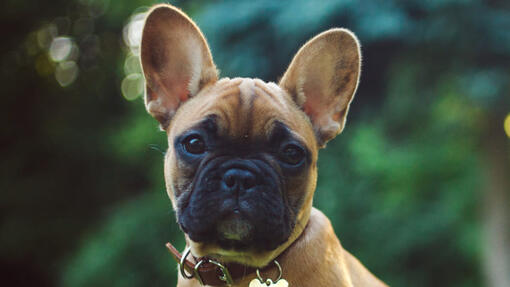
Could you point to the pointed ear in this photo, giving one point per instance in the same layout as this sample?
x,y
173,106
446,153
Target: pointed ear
x,y
322,78
176,61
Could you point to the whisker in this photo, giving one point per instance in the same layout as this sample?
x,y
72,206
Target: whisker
x,y
157,148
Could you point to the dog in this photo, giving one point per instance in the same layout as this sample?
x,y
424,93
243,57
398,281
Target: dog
x,y
241,166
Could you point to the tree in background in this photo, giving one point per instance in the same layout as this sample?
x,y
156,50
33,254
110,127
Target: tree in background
x,y
417,186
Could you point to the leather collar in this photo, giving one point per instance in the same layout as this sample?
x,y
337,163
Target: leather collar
x,y
210,273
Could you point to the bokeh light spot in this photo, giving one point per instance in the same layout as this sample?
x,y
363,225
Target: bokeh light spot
x,y
507,125
45,36
132,32
66,72
132,86
60,48
132,65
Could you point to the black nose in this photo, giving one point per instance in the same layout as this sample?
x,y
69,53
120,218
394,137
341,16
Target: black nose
x,y
236,178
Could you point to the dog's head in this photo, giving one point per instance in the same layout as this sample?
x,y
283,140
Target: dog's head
x,y
241,164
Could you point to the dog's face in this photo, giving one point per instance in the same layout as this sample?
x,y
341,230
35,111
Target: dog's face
x,y
241,164
240,167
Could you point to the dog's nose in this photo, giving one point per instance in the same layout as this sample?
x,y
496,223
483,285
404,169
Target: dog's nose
x,y
236,178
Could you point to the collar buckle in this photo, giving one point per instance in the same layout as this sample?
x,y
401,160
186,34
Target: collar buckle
x,y
225,276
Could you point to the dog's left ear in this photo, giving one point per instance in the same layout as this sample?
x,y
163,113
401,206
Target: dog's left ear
x,y
176,61
322,79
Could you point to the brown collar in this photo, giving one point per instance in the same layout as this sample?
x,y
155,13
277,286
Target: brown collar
x,y
208,271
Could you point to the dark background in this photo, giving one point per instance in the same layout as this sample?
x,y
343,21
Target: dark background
x,y
417,186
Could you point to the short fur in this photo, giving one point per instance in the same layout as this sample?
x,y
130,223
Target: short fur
x,y
311,100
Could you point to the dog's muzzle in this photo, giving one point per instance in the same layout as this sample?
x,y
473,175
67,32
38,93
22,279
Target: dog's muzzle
x,y
236,203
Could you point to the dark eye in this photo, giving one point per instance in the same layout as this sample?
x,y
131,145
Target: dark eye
x,y
293,154
194,144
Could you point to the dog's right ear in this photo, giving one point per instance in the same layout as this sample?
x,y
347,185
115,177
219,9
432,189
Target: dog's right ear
x,y
176,61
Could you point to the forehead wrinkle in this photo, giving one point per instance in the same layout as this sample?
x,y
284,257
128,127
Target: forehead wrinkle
x,y
236,107
272,91
245,108
265,113
227,92
227,105
276,105
207,106
247,94
224,105
222,100
213,101
269,105
261,93
226,83
283,103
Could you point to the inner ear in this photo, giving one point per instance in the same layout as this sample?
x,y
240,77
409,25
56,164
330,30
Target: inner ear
x,y
322,79
176,61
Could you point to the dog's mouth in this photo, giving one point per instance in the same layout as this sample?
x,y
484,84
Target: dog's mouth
x,y
234,231
239,231
234,227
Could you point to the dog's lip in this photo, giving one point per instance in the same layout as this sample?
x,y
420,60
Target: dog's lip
x,y
235,227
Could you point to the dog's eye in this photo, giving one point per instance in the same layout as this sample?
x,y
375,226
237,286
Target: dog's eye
x,y
194,144
293,154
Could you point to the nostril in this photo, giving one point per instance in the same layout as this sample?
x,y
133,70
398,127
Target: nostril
x,y
229,179
239,178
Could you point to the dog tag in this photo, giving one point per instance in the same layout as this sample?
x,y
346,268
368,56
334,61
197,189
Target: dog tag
x,y
280,283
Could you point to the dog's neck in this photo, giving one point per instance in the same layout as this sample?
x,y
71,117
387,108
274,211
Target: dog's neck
x,y
207,267
308,266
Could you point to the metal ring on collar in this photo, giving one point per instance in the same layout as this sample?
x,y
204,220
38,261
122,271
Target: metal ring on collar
x,y
183,262
225,277
279,271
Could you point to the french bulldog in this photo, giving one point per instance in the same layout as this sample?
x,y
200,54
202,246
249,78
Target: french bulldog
x,y
241,165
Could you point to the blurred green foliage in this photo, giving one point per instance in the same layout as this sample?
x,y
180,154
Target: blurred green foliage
x,y
83,199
